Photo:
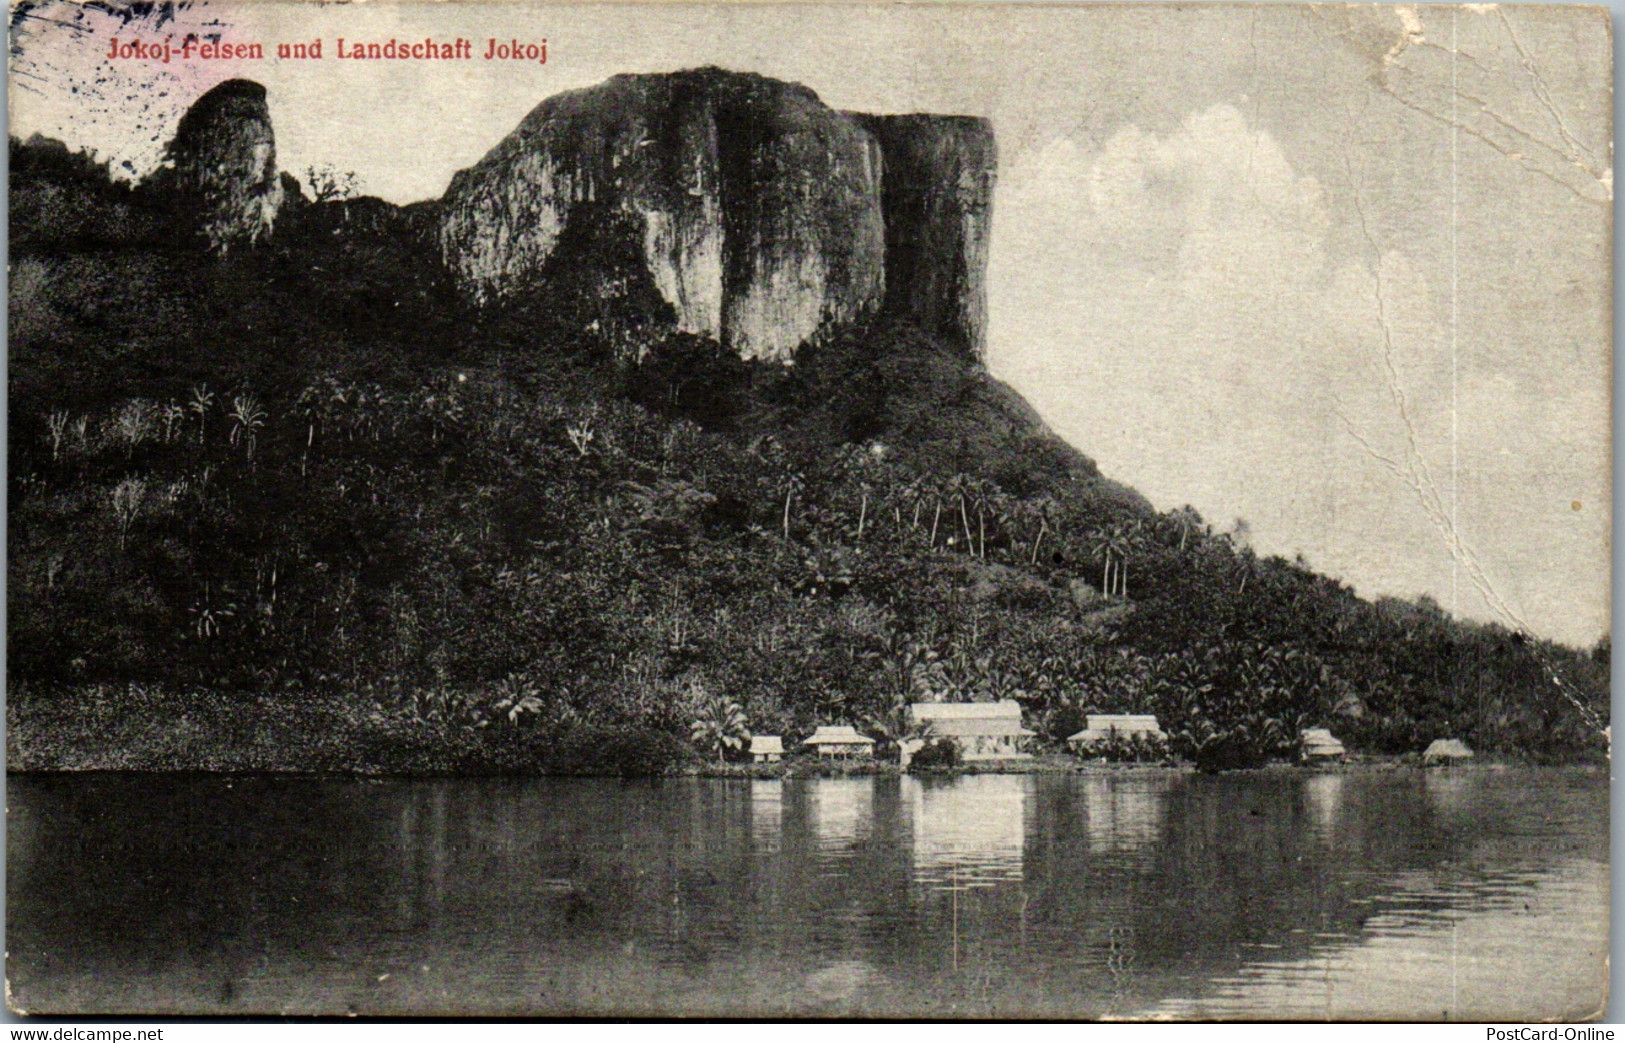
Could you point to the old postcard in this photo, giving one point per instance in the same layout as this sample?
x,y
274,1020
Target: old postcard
x,y
810,510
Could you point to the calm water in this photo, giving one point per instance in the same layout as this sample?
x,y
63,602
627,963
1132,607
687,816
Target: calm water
x,y
1479,895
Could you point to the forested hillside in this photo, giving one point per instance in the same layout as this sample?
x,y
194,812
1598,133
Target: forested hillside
x,y
304,480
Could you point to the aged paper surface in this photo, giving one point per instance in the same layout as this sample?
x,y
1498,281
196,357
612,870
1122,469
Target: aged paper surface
x,y
1086,511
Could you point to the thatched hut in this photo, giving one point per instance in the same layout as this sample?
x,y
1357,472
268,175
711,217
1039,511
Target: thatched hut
x,y
766,749
840,740
1103,726
982,731
1319,744
1446,751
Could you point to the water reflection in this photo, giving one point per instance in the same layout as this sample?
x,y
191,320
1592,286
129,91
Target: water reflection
x,y
1323,797
1124,813
840,811
1467,960
1448,790
969,831
1271,895
767,814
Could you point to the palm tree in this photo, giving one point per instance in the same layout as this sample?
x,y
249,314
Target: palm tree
x,y
721,726
914,493
1101,543
1004,510
895,723
202,399
907,666
792,482
1185,521
958,489
1246,568
58,423
856,464
1124,541
982,496
1043,509
246,419
309,404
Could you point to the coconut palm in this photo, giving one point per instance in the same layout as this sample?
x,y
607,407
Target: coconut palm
x,y
791,484
914,493
978,496
58,424
856,465
1044,509
1103,544
202,399
1186,522
1125,541
958,491
247,417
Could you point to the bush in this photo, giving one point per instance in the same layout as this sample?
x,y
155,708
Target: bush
x,y
628,751
1126,749
936,755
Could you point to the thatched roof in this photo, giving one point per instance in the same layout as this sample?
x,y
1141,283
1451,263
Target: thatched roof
x,y
1004,708
1447,750
1102,725
989,727
838,735
766,744
1320,742
971,720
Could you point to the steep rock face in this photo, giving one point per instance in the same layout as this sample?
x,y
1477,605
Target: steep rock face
x,y
755,207
222,172
938,203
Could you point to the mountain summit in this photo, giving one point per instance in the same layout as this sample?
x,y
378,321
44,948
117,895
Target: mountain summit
x,y
754,213
222,166
522,480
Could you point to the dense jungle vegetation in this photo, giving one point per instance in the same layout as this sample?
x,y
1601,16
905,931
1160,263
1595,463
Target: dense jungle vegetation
x,y
299,499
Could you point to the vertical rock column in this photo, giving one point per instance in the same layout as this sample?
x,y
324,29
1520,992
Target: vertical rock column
x,y
757,207
223,165
804,232
938,202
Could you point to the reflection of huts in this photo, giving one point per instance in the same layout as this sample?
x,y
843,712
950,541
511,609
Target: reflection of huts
x,y
1320,744
1125,815
969,831
982,731
1444,751
840,812
766,749
1102,726
840,740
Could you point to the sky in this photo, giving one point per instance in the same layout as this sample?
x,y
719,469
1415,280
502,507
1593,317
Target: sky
x,y
1336,277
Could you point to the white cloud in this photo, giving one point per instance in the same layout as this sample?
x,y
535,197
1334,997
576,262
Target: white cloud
x,y
1170,303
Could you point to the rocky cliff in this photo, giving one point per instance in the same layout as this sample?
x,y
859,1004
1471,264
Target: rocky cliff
x,y
760,215
221,177
726,205
755,207
937,196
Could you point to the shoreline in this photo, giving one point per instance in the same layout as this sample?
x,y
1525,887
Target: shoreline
x,y
150,730
1373,765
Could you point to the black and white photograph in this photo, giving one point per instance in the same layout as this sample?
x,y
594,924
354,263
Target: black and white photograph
x,y
918,512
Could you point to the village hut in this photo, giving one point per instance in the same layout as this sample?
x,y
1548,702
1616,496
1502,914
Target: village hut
x,y
766,749
1102,726
1320,744
1445,751
840,741
982,731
